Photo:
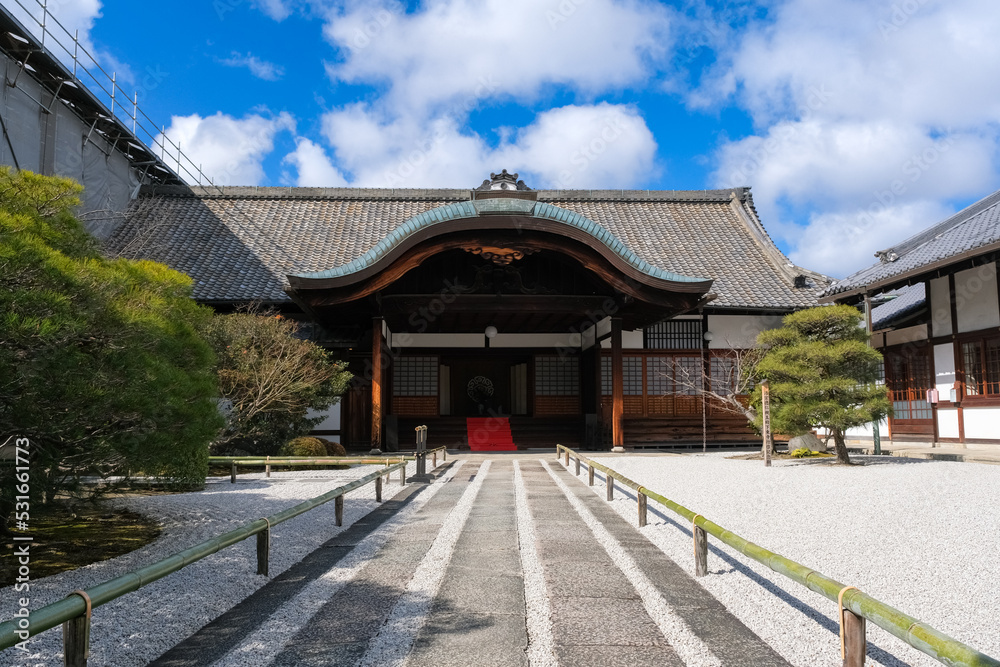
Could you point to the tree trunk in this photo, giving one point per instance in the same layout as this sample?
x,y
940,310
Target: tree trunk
x,y
841,447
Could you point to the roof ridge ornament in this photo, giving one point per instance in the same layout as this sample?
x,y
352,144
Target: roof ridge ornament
x,y
503,181
887,256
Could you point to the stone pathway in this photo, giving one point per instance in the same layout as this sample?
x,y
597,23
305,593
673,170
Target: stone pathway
x,y
446,574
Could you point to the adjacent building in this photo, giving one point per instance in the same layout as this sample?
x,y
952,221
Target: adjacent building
x,y
941,333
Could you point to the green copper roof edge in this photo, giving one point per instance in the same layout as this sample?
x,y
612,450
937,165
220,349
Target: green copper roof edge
x,y
470,209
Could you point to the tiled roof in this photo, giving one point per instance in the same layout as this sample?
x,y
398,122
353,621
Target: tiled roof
x,y
974,228
239,244
908,299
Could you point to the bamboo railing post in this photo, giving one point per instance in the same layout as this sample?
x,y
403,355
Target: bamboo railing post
x,y
75,644
232,473
567,457
378,489
642,509
611,486
267,468
263,550
402,475
578,466
590,475
338,508
855,645
434,458
700,551
76,637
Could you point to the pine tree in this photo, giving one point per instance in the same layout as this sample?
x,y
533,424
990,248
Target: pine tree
x,y
101,363
822,373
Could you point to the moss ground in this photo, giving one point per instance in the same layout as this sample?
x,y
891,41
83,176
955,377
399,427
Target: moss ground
x,y
66,538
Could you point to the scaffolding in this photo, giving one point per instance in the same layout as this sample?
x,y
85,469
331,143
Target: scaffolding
x,y
74,76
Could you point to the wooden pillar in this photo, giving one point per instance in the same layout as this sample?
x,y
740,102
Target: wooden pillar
x,y
855,648
617,388
377,344
700,551
263,551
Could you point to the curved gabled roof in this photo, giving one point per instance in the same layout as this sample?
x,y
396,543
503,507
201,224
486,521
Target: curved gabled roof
x,y
241,243
520,207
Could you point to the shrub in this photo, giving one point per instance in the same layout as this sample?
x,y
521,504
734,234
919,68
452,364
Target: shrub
x,y
803,453
333,448
303,446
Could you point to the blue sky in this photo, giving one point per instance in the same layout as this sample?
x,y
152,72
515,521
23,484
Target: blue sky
x,y
857,123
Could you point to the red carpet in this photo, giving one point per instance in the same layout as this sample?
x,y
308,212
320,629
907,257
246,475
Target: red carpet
x,y
489,434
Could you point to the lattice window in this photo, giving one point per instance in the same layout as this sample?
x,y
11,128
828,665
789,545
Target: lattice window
x,y
982,367
632,376
606,376
674,335
725,373
909,378
687,375
557,376
415,376
660,375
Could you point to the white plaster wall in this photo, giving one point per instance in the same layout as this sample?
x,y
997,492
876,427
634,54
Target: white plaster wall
x,y
408,340
631,340
947,423
738,331
571,340
866,431
944,370
331,423
466,340
907,335
982,423
940,307
976,298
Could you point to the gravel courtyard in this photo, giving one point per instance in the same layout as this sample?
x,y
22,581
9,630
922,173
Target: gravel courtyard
x,y
139,626
919,535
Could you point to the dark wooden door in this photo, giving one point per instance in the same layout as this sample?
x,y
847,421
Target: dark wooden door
x,y
480,387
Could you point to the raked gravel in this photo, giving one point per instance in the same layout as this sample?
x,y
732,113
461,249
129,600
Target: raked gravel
x,y
918,535
139,626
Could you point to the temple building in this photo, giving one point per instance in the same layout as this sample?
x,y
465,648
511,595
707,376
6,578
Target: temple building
x,y
938,328
499,316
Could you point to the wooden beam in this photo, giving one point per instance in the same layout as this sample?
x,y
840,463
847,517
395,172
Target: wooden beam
x,y
617,388
377,344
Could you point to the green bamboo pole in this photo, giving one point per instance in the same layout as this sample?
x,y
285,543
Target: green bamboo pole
x,y
55,614
914,632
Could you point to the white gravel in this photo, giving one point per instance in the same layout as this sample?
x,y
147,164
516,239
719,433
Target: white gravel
x,y
688,646
919,535
541,646
391,646
139,626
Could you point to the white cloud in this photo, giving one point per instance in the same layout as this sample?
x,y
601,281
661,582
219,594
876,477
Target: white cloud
x,y
278,10
595,146
888,105
839,243
261,69
313,167
229,150
458,52
576,146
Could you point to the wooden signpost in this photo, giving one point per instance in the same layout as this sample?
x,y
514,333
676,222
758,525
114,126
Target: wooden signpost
x,y
765,400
